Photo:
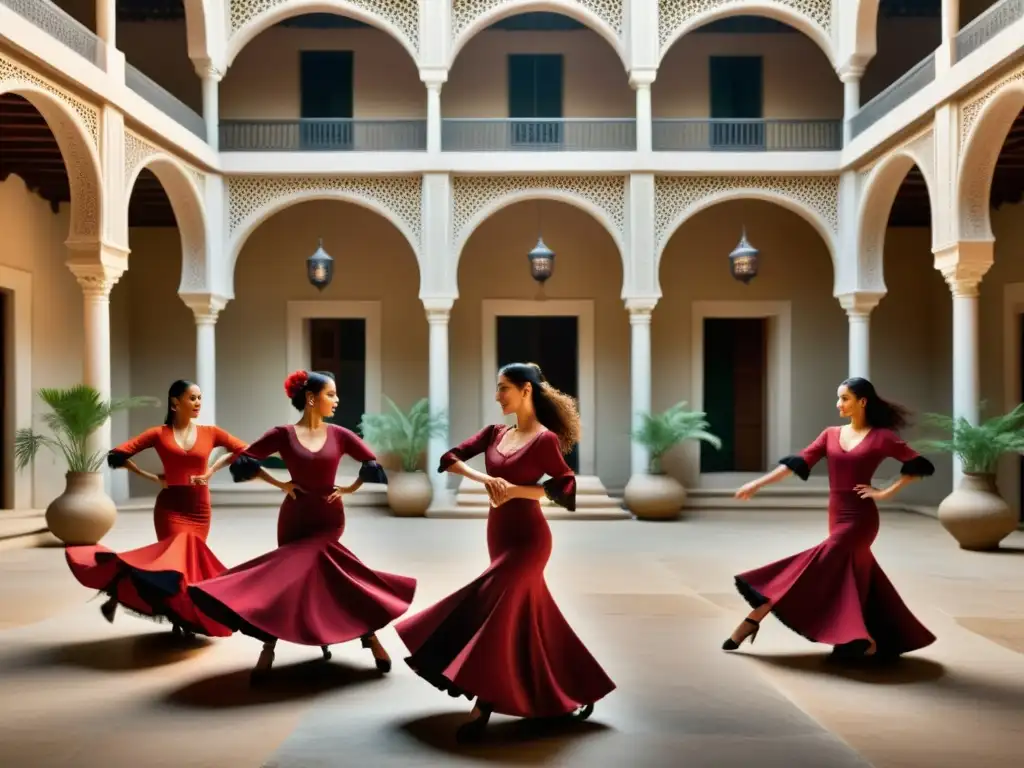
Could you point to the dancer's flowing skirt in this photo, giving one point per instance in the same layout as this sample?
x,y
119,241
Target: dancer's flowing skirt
x,y
152,581
836,593
502,638
311,590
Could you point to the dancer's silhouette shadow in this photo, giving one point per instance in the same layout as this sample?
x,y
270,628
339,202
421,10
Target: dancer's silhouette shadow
x,y
286,682
528,742
118,654
900,671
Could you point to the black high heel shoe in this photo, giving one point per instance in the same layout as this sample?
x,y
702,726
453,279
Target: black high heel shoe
x,y
473,731
732,645
109,609
383,665
326,651
261,671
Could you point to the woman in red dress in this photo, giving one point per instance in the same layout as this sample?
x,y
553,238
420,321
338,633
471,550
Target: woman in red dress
x,y
150,581
836,593
310,590
502,638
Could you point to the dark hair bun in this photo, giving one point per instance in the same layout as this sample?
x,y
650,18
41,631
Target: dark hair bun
x,y
295,383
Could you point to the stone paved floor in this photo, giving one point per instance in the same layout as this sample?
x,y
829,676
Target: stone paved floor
x,y
652,601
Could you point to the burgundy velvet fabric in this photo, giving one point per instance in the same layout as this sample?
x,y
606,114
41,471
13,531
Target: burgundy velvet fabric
x,y
311,590
502,638
836,593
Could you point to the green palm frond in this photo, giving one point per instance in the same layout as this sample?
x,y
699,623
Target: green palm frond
x,y
658,432
75,414
403,433
978,446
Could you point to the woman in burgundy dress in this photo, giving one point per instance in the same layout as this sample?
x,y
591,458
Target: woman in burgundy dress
x,y
835,593
310,590
501,638
151,581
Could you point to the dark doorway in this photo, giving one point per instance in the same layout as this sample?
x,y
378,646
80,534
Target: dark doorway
x,y
735,393
737,103
535,94
326,96
338,346
552,342
7,363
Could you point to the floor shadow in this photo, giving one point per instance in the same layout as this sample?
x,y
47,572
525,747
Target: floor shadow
x,y
286,682
1005,549
506,741
119,654
901,671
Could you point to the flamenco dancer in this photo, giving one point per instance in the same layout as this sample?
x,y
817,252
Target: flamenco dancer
x,y
836,593
151,581
502,638
310,590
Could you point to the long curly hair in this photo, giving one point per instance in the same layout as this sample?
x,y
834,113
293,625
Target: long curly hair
x,y
555,410
878,412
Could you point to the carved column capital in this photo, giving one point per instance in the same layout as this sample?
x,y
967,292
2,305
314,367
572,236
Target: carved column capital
x,y
640,310
438,310
206,307
642,78
859,304
207,70
97,266
434,77
963,264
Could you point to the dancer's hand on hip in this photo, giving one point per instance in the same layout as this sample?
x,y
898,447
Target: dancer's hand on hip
x,y
291,488
870,492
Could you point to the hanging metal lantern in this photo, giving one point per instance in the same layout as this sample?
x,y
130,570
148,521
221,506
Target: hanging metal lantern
x,y
542,261
743,260
320,267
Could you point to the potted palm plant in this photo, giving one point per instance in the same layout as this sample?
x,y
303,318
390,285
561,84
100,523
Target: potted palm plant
x,y
974,513
84,512
656,496
405,435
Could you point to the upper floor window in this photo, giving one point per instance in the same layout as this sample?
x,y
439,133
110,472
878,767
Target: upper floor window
x,y
535,91
326,99
737,99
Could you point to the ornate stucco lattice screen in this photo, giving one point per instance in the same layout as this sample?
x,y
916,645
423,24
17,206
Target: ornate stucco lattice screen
x,y
465,12
675,14
476,198
253,199
403,15
75,124
677,198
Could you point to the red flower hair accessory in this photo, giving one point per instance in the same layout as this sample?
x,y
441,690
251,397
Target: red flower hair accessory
x,y
295,383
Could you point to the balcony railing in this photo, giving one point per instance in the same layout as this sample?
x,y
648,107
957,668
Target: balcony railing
x,y
60,26
323,135
538,135
164,100
718,135
988,25
913,81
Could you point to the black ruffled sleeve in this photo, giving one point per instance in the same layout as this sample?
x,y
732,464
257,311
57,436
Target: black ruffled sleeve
x,y
372,472
244,468
918,466
797,465
117,459
562,491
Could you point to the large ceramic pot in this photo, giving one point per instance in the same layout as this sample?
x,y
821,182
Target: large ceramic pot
x,y
84,512
976,515
654,497
409,493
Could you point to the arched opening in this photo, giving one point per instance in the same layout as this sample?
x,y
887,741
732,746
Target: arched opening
x,y
991,200
323,82
911,353
49,192
503,315
727,85
537,81
761,359
367,327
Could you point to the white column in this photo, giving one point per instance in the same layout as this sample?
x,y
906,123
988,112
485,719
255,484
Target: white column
x,y
641,82
950,19
438,312
97,280
966,357
640,311
851,98
858,308
433,79
211,77
106,22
